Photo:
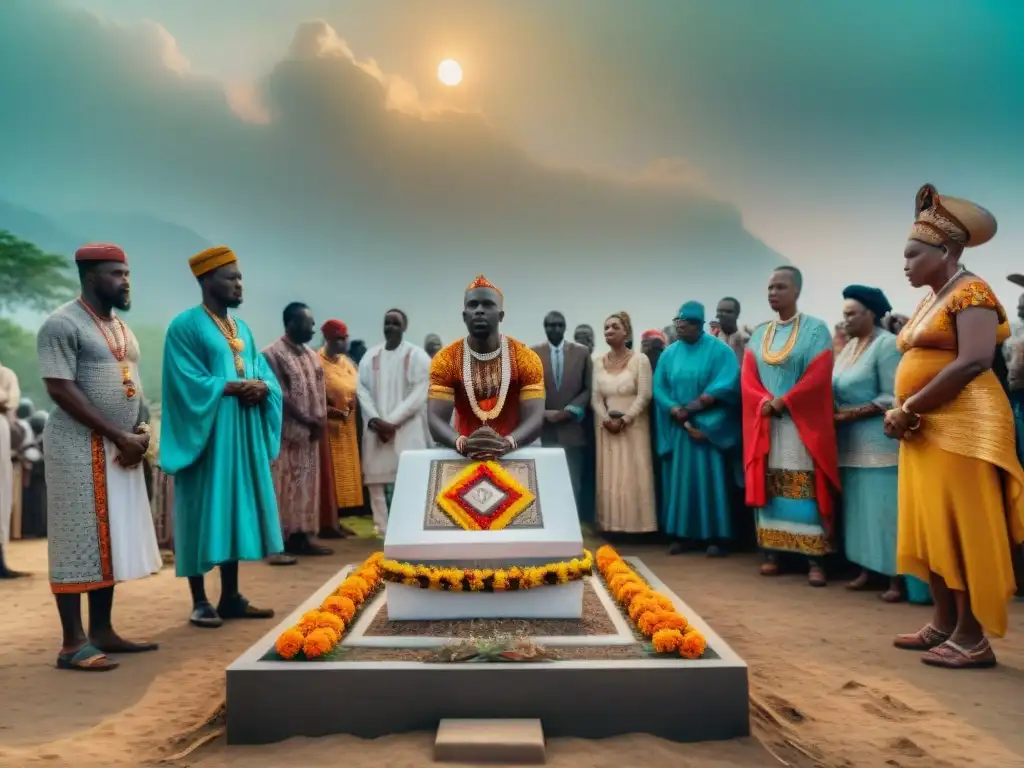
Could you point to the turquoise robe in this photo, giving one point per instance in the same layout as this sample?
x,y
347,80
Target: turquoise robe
x,y
217,449
696,475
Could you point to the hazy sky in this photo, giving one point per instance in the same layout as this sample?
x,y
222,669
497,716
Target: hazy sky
x,y
599,135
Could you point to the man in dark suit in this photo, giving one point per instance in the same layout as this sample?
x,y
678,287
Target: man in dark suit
x,y
567,375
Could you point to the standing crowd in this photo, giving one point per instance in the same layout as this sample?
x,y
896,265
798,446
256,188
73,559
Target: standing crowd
x,y
893,446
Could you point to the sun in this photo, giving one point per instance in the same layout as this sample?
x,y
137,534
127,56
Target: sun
x,y
449,72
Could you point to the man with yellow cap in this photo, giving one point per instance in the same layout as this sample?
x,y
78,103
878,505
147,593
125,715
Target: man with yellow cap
x,y
220,430
100,529
493,383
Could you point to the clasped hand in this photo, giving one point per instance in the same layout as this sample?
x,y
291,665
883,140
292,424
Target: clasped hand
x,y
131,448
898,424
385,429
773,408
249,391
486,444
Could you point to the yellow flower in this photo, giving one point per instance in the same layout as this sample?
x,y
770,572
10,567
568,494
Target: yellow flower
x,y
376,557
536,577
411,582
406,570
289,643
667,640
694,644
341,607
500,580
562,573
319,642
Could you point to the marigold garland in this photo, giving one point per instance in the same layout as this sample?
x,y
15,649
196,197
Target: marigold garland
x,y
652,612
487,580
319,631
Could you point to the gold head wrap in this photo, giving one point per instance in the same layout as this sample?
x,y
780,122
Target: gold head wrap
x,y
943,220
211,259
483,282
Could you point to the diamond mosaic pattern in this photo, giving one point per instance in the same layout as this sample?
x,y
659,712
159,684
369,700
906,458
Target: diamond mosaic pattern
x,y
484,497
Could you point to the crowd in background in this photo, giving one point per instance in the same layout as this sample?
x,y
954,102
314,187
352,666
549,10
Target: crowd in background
x,y
888,442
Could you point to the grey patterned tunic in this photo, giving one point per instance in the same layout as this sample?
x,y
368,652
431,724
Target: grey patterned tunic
x,y
71,347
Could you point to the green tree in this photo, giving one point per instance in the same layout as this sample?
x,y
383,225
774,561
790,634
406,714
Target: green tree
x,y
30,278
34,280
18,352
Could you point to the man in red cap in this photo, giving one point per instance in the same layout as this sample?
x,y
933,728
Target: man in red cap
x,y
99,524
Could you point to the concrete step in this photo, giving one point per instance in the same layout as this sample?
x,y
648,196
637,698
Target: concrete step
x,y
507,742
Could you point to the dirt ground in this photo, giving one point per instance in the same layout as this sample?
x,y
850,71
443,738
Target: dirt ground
x,y
827,687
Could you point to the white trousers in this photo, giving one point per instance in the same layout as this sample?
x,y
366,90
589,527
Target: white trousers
x,y
6,481
379,506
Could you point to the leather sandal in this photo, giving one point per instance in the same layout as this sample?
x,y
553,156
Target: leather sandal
x,y
949,655
924,639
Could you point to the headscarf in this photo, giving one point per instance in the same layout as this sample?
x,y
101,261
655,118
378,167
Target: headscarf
x,y
482,282
623,317
872,299
941,220
692,311
653,334
211,259
334,329
96,252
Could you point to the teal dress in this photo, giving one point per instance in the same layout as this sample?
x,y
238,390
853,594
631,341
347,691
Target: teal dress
x,y
217,449
868,460
696,475
790,520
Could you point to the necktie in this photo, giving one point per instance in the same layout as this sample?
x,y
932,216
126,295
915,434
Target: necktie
x,y
558,368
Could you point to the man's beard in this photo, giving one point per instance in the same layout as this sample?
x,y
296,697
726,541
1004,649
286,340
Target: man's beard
x,y
121,303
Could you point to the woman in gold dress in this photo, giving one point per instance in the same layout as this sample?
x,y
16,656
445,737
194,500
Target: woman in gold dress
x,y
961,487
341,378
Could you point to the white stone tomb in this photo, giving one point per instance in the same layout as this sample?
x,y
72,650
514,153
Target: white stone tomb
x,y
420,532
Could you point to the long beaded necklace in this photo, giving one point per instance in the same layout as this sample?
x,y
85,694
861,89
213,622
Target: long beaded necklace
x,y
777,358
229,330
468,356
116,336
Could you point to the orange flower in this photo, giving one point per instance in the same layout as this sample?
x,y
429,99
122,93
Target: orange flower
x,y
649,620
618,580
318,642
376,557
627,592
330,621
615,569
352,592
341,607
648,601
289,643
667,640
308,622
694,644
670,621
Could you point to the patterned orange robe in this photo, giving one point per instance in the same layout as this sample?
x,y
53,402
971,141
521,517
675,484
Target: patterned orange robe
x,y
527,384
341,378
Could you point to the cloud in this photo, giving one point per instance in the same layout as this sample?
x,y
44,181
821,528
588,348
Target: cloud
x,y
330,165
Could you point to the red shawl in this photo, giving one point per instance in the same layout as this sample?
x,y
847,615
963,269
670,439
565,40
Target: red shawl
x,y
810,404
